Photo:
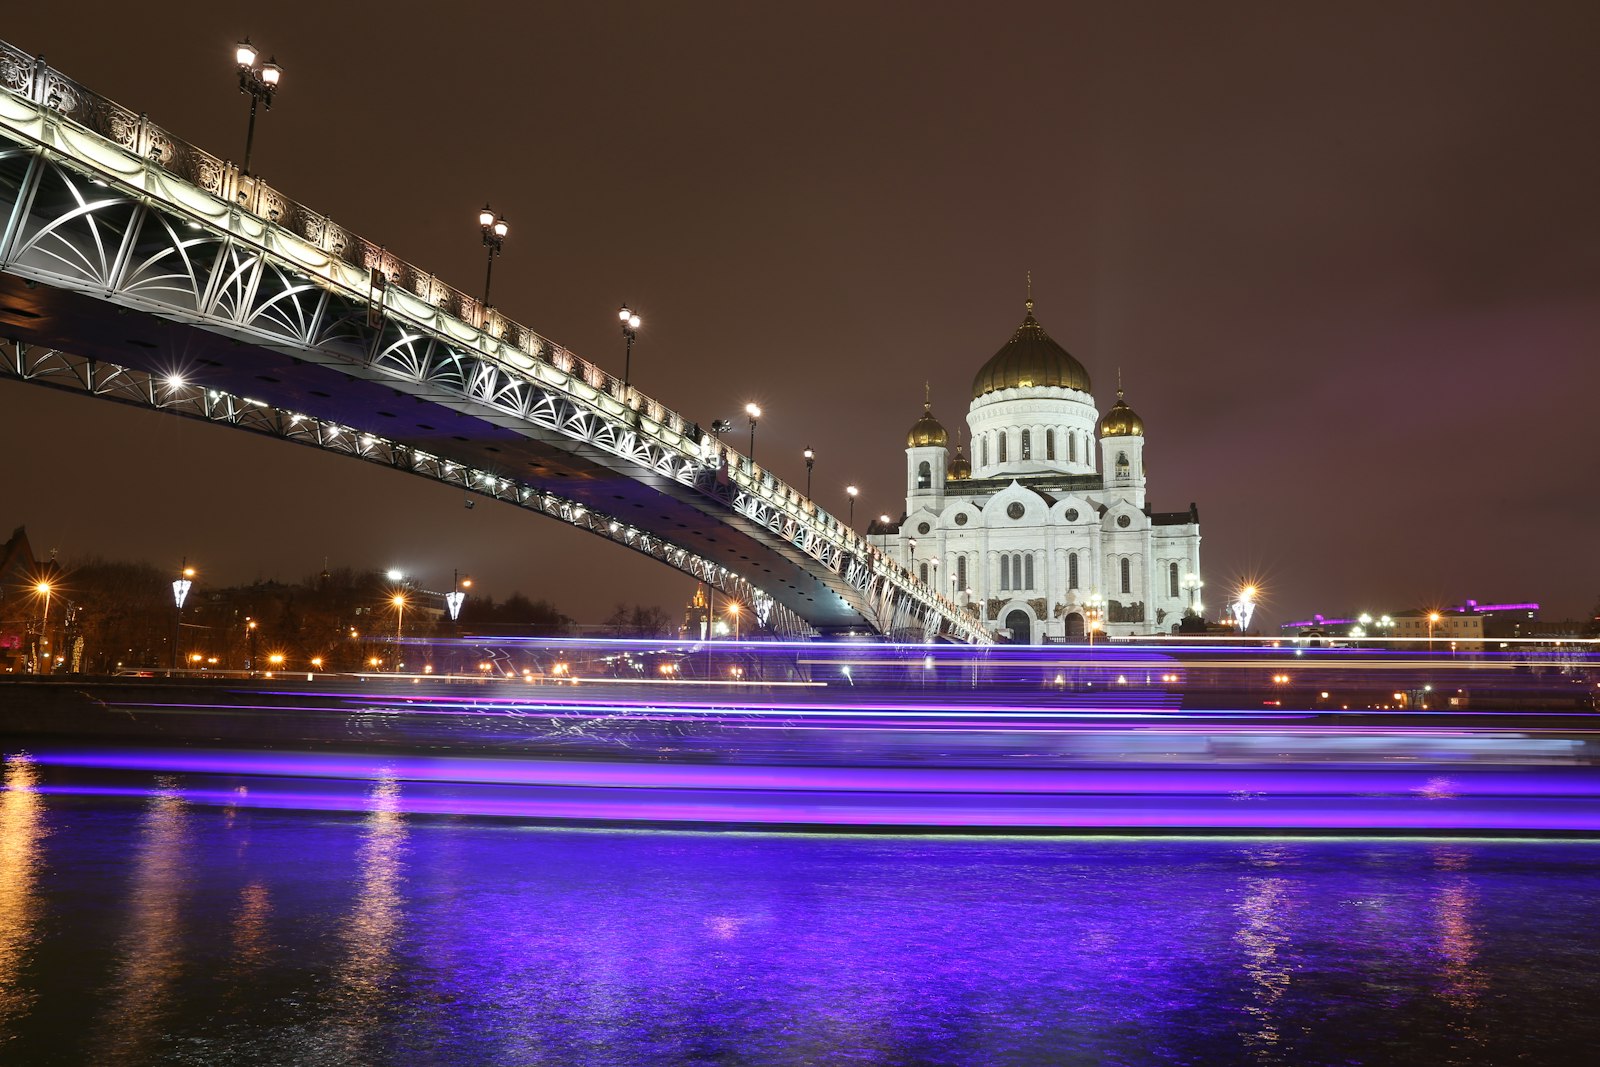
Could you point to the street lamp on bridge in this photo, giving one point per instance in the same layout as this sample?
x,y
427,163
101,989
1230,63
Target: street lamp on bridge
x,y
260,83
753,413
811,460
852,492
630,330
494,235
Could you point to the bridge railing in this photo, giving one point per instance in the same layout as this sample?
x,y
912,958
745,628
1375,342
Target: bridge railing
x,y
33,79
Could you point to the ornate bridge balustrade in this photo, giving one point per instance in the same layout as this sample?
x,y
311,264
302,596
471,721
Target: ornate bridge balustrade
x,y
99,202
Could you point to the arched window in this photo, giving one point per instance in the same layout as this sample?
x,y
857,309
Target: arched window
x,y
961,572
1072,570
1127,575
1027,444
1122,465
1027,570
1072,447
1005,574
922,572
1049,444
984,446
1172,579
924,475
1000,442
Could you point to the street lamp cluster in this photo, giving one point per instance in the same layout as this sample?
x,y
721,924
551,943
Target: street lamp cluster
x,y
260,83
494,229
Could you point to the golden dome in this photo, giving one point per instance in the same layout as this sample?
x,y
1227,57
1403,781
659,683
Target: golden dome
x,y
926,432
960,469
1030,360
1121,421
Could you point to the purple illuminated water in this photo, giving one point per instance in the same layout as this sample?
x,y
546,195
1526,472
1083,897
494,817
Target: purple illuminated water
x,y
144,927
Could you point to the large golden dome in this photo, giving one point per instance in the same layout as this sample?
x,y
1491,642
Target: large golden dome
x,y
1029,360
1121,421
927,432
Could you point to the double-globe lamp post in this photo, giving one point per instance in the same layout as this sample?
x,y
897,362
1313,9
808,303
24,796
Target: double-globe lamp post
x,y
494,236
260,83
630,330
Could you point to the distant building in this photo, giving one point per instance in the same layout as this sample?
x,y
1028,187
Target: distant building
x,y
1032,534
1467,624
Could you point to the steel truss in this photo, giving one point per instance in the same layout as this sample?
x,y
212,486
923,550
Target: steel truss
x,y
94,201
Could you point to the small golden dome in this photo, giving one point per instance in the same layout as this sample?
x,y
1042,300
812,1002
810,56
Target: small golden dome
x,y
960,468
927,432
1030,360
1121,421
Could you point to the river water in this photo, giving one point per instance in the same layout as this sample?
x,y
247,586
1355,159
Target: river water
x,y
138,926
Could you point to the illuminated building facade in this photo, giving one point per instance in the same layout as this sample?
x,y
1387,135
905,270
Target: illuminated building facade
x,y
1045,531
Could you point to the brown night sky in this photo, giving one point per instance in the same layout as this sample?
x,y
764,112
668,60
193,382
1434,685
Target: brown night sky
x,y
1346,255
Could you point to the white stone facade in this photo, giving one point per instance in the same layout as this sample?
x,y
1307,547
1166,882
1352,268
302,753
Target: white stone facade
x,y
1051,530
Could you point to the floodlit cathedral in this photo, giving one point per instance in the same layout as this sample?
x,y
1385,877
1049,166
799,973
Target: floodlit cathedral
x,y
1031,532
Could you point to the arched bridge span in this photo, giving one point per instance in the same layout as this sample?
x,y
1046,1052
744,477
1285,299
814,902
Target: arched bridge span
x,y
136,267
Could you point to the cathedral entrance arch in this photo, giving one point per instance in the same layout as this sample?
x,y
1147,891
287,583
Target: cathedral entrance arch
x,y
1074,627
1021,627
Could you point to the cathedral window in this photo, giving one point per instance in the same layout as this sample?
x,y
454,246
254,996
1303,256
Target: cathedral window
x,y
1049,444
1005,574
1172,579
1027,571
924,475
1072,570
1127,575
961,572
1072,447
1122,465
984,446
1027,444
922,572
1000,441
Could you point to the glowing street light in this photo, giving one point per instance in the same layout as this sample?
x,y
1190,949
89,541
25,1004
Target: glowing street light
x,y
399,602
630,330
811,461
1094,611
1433,620
180,593
260,83
733,609
883,533
42,589
851,491
250,632
753,413
494,236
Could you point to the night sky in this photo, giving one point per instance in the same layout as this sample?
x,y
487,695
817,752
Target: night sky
x,y
1346,255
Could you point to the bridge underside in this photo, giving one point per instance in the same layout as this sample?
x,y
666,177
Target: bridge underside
x,y
433,421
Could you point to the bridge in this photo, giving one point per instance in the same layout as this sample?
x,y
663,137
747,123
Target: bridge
x,y
139,268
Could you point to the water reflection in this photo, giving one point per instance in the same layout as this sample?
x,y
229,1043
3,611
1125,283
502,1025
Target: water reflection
x,y
1462,981
21,829
363,978
152,954
1264,935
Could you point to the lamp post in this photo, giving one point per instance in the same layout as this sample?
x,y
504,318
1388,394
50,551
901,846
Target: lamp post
x,y
630,330
852,492
883,534
1094,611
811,460
733,609
753,413
250,634
43,589
180,593
1192,584
260,83
494,236
1433,620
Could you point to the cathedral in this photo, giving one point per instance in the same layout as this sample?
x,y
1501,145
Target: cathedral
x,y
1032,533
